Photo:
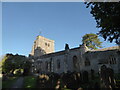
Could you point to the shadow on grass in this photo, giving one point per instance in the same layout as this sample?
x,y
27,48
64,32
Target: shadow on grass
x,y
30,82
8,83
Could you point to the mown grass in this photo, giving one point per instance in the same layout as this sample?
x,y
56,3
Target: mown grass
x,y
30,82
8,83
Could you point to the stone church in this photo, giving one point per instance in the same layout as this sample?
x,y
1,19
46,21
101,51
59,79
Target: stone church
x,y
45,60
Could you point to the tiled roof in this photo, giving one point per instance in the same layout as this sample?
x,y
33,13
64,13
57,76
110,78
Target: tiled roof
x,y
63,52
109,48
57,53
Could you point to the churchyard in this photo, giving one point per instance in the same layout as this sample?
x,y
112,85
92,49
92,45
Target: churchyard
x,y
72,68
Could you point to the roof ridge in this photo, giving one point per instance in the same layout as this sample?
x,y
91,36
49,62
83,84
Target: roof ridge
x,y
108,48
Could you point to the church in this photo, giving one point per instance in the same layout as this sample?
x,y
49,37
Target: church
x,y
78,59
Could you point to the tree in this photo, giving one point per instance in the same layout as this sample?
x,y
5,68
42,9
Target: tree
x,y
26,66
6,63
12,62
92,41
107,16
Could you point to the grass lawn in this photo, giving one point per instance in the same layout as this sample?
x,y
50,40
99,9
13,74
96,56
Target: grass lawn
x,y
30,82
8,83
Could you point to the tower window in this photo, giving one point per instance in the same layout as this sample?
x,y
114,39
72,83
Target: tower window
x,y
48,44
45,44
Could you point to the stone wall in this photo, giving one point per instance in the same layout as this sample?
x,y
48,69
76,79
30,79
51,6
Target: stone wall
x,y
109,58
79,59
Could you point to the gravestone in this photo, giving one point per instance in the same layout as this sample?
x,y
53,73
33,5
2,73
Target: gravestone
x,y
104,76
92,74
85,77
111,77
107,77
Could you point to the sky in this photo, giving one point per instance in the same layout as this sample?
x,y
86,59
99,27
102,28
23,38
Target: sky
x,y
0,29
63,22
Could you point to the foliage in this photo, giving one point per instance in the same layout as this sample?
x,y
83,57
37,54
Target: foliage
x,y
107,16
6,63
18,72
92,41
30,82
26,67
12,62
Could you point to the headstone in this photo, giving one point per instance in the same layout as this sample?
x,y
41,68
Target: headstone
x,y
92,74
107,77
85,77
111,77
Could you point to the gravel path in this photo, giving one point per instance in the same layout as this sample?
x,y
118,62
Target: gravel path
x,y
18,83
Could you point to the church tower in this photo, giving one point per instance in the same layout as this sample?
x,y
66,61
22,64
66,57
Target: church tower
x,y
42,46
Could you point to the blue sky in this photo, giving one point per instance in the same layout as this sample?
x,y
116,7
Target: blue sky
x,y
62,22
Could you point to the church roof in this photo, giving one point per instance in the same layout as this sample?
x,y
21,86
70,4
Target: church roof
x,y
105,49
57,53
102,52
73,49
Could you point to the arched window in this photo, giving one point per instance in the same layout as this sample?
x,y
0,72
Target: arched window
x,y
75,62
58,64
112,60
46,63
87,62
40,65
50,65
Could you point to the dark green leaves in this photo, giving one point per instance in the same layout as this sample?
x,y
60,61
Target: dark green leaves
x,y
107,16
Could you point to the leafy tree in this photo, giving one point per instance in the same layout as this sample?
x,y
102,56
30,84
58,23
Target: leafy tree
x,y
107,16
26,66
92,41
12,62
6,63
